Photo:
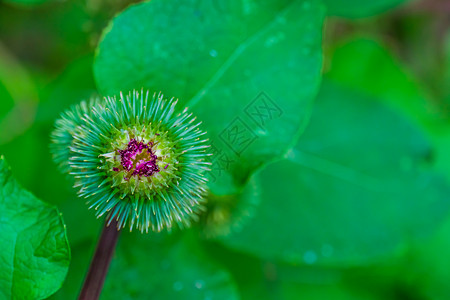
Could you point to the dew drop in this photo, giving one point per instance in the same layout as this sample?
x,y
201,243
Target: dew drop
x,y
274,39
199,284
213,53
270,41
310,257
209,295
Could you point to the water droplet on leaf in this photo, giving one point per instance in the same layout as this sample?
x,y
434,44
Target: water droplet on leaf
x,y
199,284
310,257
213,53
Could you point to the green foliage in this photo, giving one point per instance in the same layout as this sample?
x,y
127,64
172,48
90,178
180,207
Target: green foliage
x,y
7,102
35,252
75,83
428,259
364,64
339,198
217,57
293,291
176,269
356,210
19,97
370,67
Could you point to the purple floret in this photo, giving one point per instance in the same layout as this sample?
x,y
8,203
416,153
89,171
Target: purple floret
x,y
144,167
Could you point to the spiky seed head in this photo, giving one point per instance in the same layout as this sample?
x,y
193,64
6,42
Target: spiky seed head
x,y
135,158
65,127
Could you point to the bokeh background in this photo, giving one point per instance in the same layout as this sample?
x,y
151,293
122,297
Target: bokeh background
x,y
385,87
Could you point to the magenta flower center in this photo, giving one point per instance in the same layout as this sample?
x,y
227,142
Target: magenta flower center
x,y
138,159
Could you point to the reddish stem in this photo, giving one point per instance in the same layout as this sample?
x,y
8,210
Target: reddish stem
x,y
98,269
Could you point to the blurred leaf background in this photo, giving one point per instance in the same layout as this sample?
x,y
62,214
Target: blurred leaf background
x,y
358,209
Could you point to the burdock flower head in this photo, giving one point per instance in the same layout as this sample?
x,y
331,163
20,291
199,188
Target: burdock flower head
x,y
135,158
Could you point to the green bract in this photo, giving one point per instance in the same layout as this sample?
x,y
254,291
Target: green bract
x,y
135,159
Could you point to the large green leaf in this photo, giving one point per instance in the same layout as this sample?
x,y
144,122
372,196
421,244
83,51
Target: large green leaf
x,y
151,267
83,237
73,85
369,66
365,64
35,253
248,69
226,214
358,8
354,190
266,280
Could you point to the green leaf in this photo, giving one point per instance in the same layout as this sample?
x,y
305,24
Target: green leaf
x,y
76,83
226,214
151,267
294,291
355,190
359,9
428,259
369,66
249,70
83,238
35,253
365,64
266,280
82,254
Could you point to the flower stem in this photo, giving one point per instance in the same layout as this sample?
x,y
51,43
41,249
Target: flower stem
x,y
96,275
